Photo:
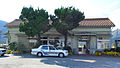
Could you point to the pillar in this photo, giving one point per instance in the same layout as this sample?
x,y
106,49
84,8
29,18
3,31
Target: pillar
x,y
75,44
93,44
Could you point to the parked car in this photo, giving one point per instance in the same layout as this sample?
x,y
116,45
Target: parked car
x,y
49,50
2,51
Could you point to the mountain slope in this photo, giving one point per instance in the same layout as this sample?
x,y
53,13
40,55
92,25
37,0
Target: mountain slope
x,y
4,30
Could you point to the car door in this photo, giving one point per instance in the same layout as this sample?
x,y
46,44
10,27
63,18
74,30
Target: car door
x,y
45,50
52,51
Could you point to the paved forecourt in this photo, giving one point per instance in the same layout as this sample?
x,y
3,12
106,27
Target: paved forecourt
x,y
75,61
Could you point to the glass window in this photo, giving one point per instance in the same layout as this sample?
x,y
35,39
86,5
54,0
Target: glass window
x,y
100,38
51,42
44,47
44,37
51,37
103,45
51,48
56,38
44,42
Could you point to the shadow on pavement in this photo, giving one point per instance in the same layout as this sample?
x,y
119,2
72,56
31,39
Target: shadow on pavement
x,y
70,61
26,55
4,56
76,61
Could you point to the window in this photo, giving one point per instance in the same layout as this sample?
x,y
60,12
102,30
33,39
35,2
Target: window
x,y
84,38
44,47
53,40
44,37
44,42
51,48
56,38
100,38
103,45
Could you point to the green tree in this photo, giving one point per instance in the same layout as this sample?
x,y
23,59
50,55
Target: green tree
x,y
36,22
66,19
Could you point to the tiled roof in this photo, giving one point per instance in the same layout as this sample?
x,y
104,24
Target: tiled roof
x,y
14,23
86,22
97,22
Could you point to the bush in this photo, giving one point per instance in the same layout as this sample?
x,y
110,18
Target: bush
x,y
113,49
106,50
8,51
12,46
68,48
118,49
109,52
98,53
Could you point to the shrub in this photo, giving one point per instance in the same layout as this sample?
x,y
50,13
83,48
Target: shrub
x,y
98,53
118,49
68,48
113,49
8,51
12,46
106,50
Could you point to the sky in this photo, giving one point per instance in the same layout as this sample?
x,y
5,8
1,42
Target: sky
x,y
11,9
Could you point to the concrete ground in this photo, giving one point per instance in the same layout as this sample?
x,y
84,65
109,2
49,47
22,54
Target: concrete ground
x,y
74,61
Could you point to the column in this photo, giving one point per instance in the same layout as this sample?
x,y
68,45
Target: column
x,y
75,44
93,44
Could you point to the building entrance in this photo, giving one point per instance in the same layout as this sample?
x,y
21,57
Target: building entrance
x,y
83,45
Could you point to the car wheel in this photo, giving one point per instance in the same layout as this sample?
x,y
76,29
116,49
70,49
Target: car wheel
x,y
61,55
39,54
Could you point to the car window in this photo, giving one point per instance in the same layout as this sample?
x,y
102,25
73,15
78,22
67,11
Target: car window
x,y
44,47
51,48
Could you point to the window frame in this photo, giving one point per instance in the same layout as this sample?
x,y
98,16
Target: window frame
x,y
44,46
52,47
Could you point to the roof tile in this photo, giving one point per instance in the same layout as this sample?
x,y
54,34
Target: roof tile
x,y
97,22
86,22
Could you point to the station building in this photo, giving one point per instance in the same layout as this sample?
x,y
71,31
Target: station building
x,y
92,34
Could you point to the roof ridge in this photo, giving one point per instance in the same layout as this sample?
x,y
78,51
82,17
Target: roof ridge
x,y
96,19
17,19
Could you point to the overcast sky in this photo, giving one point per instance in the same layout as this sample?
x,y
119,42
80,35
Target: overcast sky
x,y
11,9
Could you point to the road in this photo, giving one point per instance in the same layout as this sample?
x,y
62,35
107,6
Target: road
x,y
75,61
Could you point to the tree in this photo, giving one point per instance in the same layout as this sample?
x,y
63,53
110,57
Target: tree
x,y
66,19
36,22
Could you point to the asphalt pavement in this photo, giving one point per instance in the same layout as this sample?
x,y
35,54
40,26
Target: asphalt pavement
x,y
73,61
